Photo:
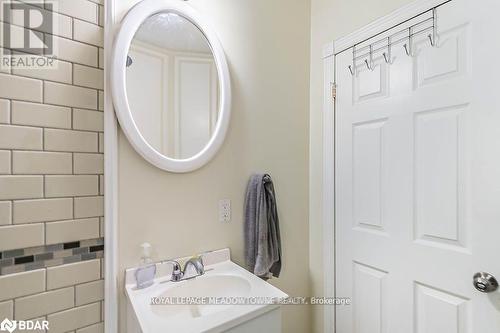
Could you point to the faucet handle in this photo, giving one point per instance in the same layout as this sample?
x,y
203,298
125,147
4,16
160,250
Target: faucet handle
x,y
177,273
202,264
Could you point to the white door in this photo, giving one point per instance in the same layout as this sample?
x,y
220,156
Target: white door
x,y
196,104
147,88
418,180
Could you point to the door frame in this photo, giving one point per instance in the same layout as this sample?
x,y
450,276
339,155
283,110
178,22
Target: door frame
x,y
110,179
330,50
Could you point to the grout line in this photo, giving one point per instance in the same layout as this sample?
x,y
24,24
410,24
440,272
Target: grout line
x,y
60,83
11,161
11,212
98,101
51,174
52,198
44,189
15,150
72,28
53,151
44,232
76,219
43,90
52,128
10,110
51,104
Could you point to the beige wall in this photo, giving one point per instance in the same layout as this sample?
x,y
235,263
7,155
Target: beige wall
x,y
330,19
267,46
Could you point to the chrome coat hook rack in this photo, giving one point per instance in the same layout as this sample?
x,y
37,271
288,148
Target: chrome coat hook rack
x,y
383,47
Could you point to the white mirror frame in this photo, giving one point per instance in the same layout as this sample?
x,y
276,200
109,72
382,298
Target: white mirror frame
x,y
131,23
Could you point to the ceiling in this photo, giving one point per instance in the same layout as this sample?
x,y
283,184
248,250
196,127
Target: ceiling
x,y
173,32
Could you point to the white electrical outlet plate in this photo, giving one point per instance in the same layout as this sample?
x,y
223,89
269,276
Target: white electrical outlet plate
x,y
225,210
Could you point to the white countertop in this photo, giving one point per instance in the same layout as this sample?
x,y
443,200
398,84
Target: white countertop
x,y
223,279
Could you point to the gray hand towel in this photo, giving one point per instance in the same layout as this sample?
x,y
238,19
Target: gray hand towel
x,y
262,233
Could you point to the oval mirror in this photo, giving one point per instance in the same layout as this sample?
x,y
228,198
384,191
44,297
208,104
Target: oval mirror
x,y
170,85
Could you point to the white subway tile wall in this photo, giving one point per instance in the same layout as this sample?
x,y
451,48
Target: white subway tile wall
x,y
6,309
51,175
5,212
32,114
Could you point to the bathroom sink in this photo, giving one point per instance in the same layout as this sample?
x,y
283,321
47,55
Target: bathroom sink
x,y
214,286
220,300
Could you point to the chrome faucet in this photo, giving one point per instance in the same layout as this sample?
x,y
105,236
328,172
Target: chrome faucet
x,y
180,275
197,263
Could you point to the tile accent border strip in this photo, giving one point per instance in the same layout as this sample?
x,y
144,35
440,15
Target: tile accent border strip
x,y
28,259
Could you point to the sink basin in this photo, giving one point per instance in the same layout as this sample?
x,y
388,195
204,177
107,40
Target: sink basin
x,y
215,286
218,301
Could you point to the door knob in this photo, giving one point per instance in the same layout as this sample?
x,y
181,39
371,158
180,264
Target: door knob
x,y
485,282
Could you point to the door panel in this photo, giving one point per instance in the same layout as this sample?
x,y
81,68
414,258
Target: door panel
x,y
438,311
369,299
367,172
418,181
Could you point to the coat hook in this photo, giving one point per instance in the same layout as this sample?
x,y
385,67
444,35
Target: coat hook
x,y
407,50
352,67
408,46
369,66
351,70
388,55
386,58
433,37
431,40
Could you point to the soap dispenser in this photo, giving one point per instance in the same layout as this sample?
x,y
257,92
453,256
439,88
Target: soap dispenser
x,y
145,273
146,254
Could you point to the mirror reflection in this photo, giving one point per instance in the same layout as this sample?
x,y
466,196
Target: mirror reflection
x,y
172,85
